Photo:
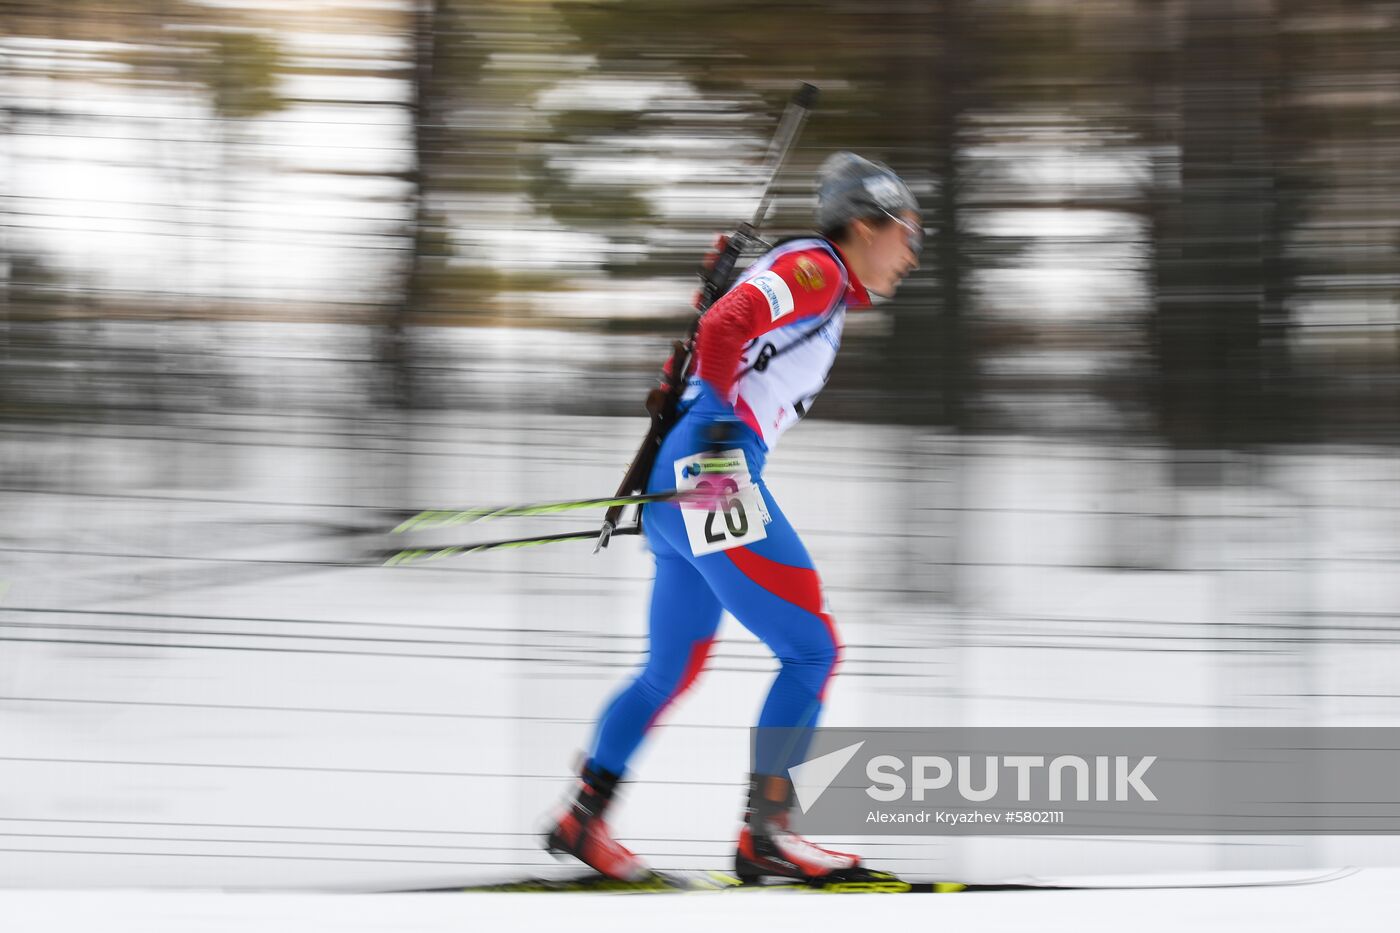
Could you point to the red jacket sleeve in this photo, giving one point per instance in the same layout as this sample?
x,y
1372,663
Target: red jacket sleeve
x,y
797,286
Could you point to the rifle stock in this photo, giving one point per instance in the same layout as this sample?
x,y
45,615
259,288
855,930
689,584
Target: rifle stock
x,y
716,280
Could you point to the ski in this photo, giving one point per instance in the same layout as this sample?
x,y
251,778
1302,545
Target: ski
x,y
397,558
696,882
873,882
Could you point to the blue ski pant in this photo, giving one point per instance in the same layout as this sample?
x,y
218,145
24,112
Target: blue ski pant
x,y
770,586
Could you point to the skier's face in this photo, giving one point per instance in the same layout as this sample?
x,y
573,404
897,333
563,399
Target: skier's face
x,y
892,252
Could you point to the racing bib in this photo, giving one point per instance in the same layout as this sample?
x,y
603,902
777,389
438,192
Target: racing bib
x,y
739,516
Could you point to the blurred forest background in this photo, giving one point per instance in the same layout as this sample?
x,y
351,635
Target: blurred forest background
x,y
271,273
1160,219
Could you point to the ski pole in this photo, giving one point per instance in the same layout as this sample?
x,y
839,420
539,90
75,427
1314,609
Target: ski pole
x,y
421,554
444,518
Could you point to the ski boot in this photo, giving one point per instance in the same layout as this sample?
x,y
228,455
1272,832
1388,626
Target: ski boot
x,y
769,847
583,833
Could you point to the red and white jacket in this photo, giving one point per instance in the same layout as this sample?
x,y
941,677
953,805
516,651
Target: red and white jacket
x,y
769,343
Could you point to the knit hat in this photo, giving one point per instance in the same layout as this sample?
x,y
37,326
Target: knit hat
x,y
850,187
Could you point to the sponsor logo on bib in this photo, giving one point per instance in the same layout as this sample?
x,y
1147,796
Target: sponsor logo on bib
x,y
773,288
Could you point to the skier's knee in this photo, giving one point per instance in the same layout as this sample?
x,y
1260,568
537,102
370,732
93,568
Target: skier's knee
x,y
665,680
816,655
653,688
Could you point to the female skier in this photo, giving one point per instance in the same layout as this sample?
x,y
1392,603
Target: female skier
x,y
763,352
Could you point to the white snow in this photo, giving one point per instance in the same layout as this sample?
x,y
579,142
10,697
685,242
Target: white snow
x,y
1364,902
188,700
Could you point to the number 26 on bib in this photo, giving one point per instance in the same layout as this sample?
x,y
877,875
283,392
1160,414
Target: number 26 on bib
x,y
738,516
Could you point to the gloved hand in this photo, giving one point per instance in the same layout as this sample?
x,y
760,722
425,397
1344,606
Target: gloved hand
x,y
718,476
722,432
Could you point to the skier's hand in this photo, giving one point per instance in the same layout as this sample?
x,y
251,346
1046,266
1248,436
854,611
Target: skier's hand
x,y
719,429
722,433
718,476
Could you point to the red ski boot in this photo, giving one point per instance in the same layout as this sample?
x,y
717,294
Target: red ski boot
x,y
780,852
583,833
768,847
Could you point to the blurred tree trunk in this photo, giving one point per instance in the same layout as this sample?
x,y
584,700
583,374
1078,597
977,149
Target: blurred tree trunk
x,y
1211,263
928,347
1285,412
396,349
945,332
456,168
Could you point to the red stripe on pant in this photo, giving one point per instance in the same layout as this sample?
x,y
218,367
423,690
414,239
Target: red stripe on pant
x,y
797,585
696,663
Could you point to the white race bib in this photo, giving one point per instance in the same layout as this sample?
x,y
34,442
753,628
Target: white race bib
x,y
741,518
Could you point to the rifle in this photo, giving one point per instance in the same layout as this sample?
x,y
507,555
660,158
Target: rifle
x,y
716,278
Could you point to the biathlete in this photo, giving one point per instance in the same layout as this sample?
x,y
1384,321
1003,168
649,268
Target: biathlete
x,y
763,353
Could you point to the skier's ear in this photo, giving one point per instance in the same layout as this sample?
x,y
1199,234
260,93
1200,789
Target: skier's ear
x,y
864,230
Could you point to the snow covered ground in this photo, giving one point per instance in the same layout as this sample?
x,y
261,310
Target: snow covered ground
x,y
201,689
1363,902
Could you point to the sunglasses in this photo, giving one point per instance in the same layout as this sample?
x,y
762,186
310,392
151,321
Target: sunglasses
x,y
914,234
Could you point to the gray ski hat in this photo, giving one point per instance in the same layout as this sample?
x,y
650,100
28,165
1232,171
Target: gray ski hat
x,y
850,187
